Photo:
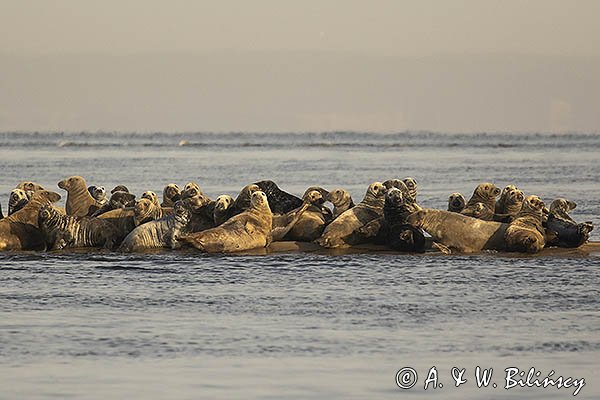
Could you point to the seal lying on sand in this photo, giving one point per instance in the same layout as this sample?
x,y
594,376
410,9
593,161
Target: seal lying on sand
x,y
460,232
312,222
341,200
280,202
17,200
343,231
171,194
525,233
562,230
20,230
160,233
80,202
485,194
67,231
456,202
118,200
247,230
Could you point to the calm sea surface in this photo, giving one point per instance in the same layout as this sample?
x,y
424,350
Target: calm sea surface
x,y
188,326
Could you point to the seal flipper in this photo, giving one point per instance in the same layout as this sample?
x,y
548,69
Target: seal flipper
x,y
278,233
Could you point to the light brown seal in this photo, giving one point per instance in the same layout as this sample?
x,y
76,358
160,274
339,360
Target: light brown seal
x,y
29,186
171,194
484,193
79,201
341,200
456,202
343,231
146,210
312,222
526,233
190,189
460,232
150,195
247,230
20,230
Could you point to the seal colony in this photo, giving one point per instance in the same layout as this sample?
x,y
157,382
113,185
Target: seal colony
x,y
262,213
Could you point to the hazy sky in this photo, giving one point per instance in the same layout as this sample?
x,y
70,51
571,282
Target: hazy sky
x,y
277,65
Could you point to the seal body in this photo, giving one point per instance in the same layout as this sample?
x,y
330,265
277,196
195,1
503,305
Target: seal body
x,y
20,230
525,233
460,232
67,231
247,230
80,202
160,233
344,230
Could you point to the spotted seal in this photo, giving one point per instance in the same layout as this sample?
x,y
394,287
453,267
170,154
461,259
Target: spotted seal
x,y
17,200
243,200
171,194
160,233
19,231
79,201
343,231
98,193
525,233
119,188
511,205
500,207
68,231
248,230
561,230
484,193
456,202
